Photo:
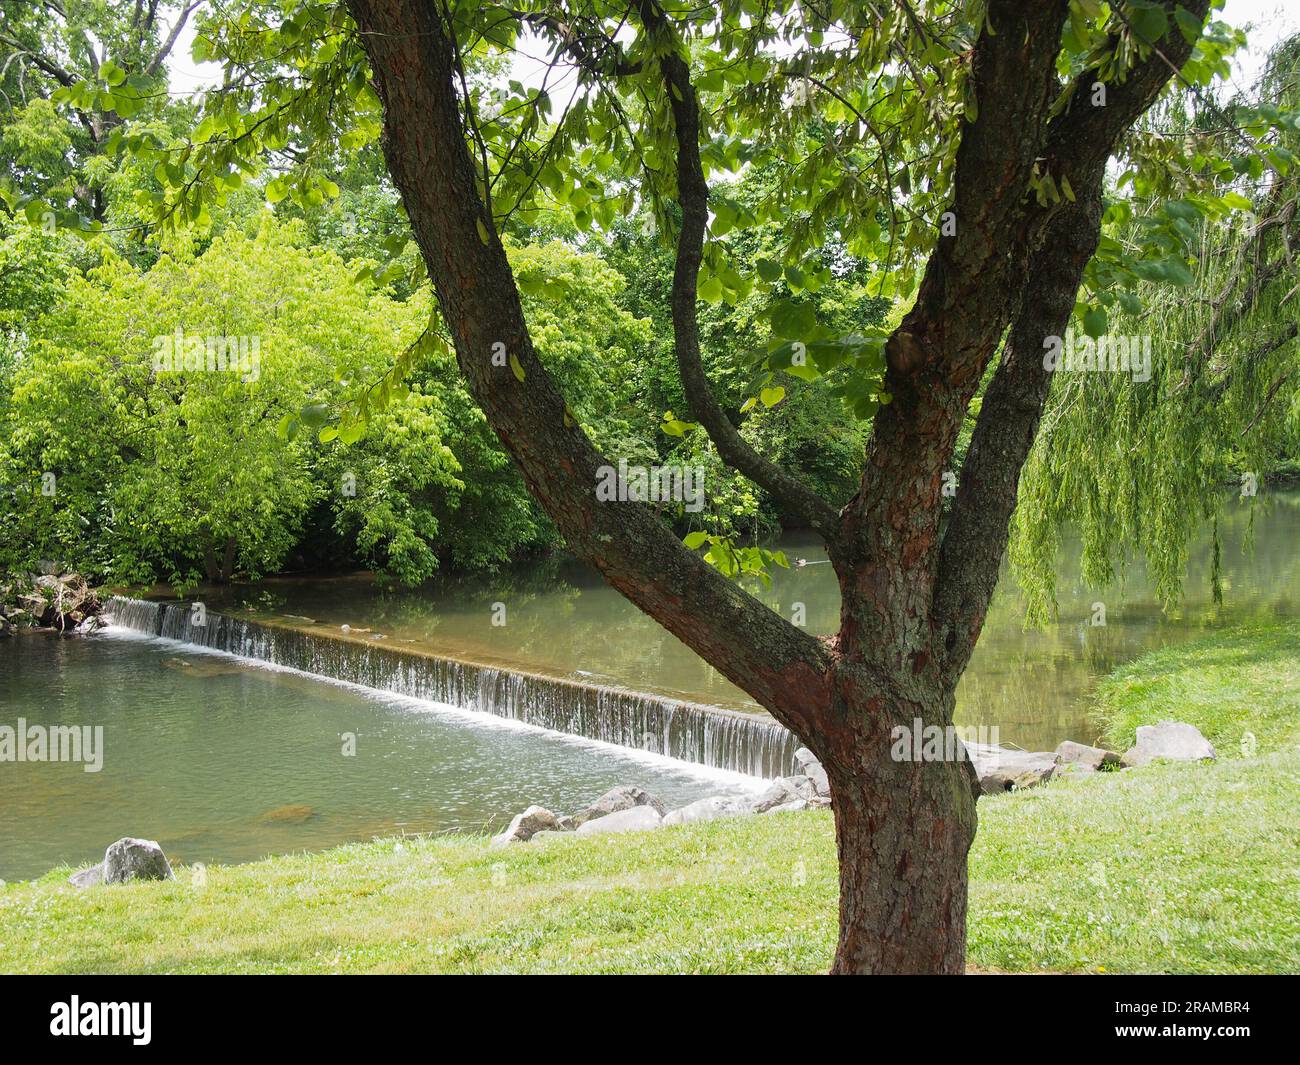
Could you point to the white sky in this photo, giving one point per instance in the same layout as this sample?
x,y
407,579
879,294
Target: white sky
x,y
1271,18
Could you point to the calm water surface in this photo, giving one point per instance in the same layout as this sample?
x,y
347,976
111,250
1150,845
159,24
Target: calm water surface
x,y
225,761
1034,686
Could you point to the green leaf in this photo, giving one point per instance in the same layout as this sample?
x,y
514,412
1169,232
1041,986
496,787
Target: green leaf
x,y
1188,23
711,289
516,367
314,415
772,396
111,74
277,190
484,236
1095,321
1149,23
695,539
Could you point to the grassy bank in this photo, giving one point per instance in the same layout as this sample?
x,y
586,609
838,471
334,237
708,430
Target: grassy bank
x,y
1244,680
1183,868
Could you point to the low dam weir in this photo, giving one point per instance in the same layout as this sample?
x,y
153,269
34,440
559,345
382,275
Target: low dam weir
x,y
690,732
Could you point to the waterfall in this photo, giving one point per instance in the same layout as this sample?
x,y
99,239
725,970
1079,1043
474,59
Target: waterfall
x,y
690,732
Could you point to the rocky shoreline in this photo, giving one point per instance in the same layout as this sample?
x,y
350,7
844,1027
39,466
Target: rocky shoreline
x,y
62,603
628,808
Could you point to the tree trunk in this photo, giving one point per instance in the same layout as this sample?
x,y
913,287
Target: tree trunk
x,y
228,560
903,828
219,570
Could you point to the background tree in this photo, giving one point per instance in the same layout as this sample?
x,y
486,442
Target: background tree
x,y
75,50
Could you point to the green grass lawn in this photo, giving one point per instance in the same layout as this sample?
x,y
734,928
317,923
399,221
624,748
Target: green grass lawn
x,y
1244,680
1183,868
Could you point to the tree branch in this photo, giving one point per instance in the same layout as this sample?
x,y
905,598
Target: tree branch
x,y
410,53
170,42
935,359
693,196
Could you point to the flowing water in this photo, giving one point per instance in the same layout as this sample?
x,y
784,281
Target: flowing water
x,y
226,759
223,760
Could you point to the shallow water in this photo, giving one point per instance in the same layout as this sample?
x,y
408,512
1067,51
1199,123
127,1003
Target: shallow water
x,y
1033,686
224,761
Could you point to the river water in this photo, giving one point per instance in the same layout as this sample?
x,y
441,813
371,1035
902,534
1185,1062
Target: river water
x,y
223,760
228,760
1033,686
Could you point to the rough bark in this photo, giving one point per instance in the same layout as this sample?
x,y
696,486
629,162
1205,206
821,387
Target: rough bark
x,y
903,829
976,538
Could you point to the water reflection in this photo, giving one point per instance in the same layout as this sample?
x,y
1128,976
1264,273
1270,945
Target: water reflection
x,y
560,618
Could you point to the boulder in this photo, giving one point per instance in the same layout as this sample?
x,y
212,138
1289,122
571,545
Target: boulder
x,y
59,602
547,834
1174,741
623,797
783,790
295,813
127,859
713,807
1080,754
635,819
526,825
787,807
814,771
805,757
135,859
88,877
1003,769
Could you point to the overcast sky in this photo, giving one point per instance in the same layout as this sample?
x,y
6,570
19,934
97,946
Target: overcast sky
x,y
1271,18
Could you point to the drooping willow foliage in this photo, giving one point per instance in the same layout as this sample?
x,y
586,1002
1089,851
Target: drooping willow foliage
x,y
1139,467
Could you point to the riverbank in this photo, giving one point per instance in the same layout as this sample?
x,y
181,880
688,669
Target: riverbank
x,y
1172,868
1163,868
1240,687
48,602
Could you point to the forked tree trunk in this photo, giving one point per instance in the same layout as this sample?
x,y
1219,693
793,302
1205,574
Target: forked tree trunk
x,y
903,827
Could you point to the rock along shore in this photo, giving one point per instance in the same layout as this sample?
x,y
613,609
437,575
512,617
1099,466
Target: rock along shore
x,y
628,808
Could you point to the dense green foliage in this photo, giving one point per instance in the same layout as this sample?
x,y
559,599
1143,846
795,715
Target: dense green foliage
x,y
825,188
157,473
